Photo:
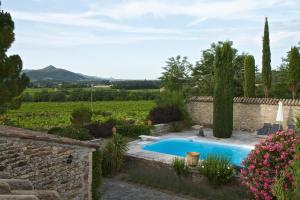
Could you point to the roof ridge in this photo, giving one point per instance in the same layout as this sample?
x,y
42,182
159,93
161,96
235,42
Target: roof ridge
x,y
250,100
8,131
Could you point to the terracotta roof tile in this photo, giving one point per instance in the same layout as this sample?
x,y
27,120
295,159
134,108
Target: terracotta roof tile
x,y
246,100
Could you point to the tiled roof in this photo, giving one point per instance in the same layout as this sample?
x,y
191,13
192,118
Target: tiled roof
x,y
246,100
8,131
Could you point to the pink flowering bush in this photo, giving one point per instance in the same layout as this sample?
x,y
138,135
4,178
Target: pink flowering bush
x,y
267,161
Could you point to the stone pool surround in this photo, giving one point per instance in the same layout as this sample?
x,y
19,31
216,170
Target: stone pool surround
x,y
241,138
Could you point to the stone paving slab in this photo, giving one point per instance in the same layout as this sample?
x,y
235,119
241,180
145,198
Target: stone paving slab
x,y
113,189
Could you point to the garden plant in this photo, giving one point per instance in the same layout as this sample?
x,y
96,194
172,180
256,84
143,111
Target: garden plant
x,y
267,162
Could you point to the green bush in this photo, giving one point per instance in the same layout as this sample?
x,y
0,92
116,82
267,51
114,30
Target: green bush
x,y
113,155
97,174
174,99
71,132
165,114
177,126
133,130
217,169
81,116
279,188
179,166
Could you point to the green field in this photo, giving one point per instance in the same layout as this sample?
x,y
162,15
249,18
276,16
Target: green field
x,y
35,90
44,115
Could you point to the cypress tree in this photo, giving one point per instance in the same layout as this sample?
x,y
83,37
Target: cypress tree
x,y
294,70
266,61
223,91
12,81
249,76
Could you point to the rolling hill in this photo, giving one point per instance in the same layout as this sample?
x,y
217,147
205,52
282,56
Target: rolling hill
x,y
54,74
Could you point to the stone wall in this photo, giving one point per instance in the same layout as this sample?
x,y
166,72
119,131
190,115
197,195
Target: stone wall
x,y
49,162
160,129
248,113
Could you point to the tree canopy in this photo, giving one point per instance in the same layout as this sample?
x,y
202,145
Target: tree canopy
x,y
176,75
294,70
266,61
12,80
223,91
249,76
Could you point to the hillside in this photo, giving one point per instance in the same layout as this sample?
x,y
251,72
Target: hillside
x,y
54,74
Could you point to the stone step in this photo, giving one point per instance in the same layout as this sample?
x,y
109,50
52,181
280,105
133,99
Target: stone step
x,y
4,188
41,194
18,197
18,184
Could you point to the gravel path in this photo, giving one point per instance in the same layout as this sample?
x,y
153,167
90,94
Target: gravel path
x,y
119,190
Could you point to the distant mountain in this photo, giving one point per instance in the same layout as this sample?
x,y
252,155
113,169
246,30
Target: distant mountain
x,y
54,74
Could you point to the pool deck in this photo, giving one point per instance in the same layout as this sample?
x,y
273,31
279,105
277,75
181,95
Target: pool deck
x,y
240,138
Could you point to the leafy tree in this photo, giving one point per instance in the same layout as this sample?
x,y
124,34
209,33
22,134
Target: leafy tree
x,y
223,91
266,61
294,70
176,74
249,74
202,74
12,81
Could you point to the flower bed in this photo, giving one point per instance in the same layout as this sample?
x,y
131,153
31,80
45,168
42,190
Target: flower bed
x,y
267,161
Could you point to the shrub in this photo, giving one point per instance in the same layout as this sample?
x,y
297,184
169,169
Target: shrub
x,y
103,130
81,116
71,132
280,190
133,130
177,126
113,155
179,166
96,174
174,99
165,114
267,161
217,169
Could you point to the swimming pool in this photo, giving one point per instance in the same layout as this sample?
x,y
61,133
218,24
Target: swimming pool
x,y
179,147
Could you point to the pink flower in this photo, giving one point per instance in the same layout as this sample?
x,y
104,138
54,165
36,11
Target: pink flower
x,y
267,161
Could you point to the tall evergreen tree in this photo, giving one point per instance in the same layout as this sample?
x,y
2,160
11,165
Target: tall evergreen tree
x,y
294,70
12,81
266,61
249,76
223,91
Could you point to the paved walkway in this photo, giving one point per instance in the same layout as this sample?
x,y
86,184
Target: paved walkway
x,y
112,189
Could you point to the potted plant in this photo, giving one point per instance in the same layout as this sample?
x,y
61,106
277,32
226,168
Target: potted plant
x,y
193,158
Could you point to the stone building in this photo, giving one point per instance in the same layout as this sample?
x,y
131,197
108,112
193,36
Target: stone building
x,y
49,162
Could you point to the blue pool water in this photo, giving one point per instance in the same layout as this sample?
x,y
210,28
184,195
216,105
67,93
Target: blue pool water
x,y
180,147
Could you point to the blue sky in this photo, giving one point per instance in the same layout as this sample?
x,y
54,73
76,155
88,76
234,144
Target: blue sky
x,y
132,39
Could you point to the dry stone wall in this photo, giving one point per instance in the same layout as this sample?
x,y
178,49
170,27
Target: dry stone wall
x,y
49,162
248,113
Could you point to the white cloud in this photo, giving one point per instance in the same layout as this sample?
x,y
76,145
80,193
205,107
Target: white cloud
x,y
198,9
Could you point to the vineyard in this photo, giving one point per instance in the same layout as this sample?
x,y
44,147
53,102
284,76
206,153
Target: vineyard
x,y
44,115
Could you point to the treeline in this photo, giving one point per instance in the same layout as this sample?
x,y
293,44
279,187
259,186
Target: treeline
x,y
126,84
88,95
137,84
